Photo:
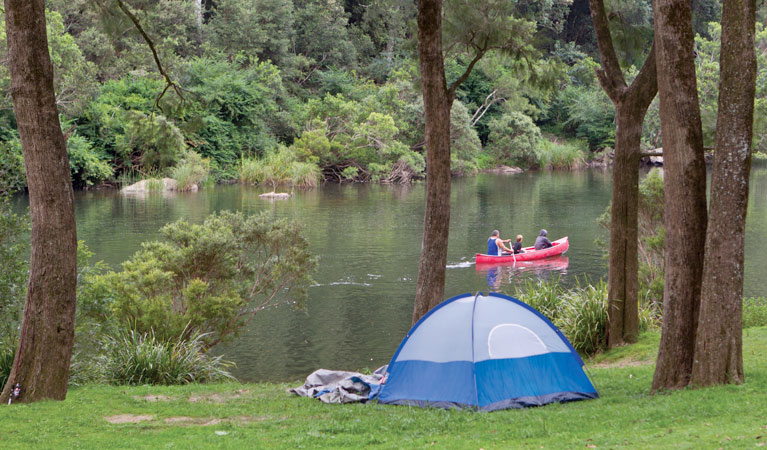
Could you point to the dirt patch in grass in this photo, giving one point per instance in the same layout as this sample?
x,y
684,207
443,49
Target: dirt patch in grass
x,y
218,397
154,398
128,418
623,363
206,421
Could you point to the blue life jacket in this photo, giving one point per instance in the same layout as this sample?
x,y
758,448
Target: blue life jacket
x,y
492,247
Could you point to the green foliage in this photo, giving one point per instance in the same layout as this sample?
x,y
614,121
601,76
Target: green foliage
x,y
86,165
236,110
149,142
258,28
754,312
343,133
191,171
464,142
513,138
14,246
7,354
12,175
135,359
652,237
210,278
119,122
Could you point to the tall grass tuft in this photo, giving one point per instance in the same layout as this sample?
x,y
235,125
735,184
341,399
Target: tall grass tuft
x,y
154,185
583,317
135,358
279,167
304,174
560,155
191,171
543,296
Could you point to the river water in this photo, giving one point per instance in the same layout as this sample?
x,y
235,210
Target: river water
x,y
368,240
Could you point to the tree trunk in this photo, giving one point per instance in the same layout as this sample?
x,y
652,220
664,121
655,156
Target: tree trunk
x,y
198,19
47,331
622,274
685,191
631,104
718,350
436,99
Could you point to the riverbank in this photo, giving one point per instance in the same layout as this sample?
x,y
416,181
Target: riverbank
x,y
265,416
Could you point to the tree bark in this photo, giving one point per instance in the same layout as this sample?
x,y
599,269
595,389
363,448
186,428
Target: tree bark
x,y
437,101
718,349
631,103
685,191
47,330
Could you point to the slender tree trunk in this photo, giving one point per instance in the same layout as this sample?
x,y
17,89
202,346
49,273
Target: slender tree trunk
x,y
436,99
198,19
631,103
718,350
623,284
685,191
47,331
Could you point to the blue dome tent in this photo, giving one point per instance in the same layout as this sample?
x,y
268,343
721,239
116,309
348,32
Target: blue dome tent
x,y
485,352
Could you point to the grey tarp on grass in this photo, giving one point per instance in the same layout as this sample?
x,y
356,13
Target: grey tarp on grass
x,y
337,386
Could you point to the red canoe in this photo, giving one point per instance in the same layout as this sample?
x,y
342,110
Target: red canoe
x,y
558,247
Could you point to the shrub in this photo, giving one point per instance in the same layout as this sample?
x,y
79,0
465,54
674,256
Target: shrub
x,y
754,312
513,138
191,171
140,358
210,278
150,141
86,165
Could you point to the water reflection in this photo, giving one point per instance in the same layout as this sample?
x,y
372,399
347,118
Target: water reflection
x,y
503,275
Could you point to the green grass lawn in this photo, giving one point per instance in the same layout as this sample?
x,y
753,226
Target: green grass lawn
x,y
264,415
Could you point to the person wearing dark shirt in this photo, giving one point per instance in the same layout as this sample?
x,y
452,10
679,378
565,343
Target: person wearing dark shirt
x,y
542,241
517,246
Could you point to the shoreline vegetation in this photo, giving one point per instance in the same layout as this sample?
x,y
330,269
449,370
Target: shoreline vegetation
x,y
233,415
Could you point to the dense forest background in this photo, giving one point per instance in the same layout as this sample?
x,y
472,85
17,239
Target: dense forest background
x,y
304,90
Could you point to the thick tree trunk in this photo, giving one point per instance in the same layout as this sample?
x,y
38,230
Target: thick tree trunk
x,y
718,350
631,104
431,266
47,331
685,191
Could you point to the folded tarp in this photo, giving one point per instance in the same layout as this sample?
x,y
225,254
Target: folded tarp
x,y
336,386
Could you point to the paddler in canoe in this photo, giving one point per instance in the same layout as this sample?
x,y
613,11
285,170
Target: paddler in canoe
x,y
495,245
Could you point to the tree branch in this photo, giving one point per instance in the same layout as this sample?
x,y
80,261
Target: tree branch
x,y
168,81
610,75
454,85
